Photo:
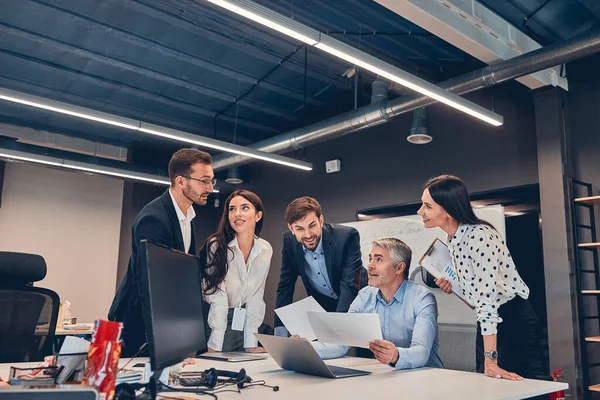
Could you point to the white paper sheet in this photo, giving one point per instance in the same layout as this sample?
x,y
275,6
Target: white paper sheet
x,y
438,262
349,329
295,320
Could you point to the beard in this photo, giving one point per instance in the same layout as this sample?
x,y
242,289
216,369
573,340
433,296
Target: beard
x,y
195,197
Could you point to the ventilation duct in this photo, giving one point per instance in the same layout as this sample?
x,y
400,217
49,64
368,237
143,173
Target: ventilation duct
x,y
374,114
379,91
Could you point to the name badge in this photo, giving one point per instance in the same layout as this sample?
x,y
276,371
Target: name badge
x,y
239,316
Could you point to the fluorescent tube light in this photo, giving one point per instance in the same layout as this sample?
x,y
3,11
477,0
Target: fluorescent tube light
x,y
219,145
99,169
69,109
289,27
412,82
79,166
180,136
270,19
33,158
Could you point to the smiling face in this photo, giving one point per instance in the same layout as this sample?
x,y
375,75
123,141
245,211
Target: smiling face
x,y
308,230
243,216
432,213
382,270
193,189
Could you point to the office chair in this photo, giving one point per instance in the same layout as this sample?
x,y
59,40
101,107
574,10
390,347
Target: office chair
x,y
28,315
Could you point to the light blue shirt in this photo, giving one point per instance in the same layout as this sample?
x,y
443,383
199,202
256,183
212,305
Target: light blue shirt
x,y
409,321
316,270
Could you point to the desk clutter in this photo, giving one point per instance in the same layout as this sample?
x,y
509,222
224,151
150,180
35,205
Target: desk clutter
x,y
90,370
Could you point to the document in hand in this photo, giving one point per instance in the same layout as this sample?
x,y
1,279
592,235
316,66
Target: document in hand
x,y
295,320
437,260
348,329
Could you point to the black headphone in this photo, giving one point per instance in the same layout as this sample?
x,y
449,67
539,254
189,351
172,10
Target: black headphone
x,y
210,377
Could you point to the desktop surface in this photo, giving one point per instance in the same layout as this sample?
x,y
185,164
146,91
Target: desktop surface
x,y
424,383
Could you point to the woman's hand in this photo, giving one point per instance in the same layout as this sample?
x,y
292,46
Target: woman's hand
x,y
494,371
211,350
255,350
444,284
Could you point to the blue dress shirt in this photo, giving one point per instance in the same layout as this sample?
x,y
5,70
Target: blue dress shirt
x,y
409,321
316,270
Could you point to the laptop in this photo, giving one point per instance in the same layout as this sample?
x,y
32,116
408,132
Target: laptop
x,y
298,355
232,356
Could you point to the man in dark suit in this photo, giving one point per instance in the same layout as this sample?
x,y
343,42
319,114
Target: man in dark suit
x,y
166,220
326,257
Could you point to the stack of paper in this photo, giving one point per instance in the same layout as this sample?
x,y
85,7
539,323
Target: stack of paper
x,y
129,376
307,319
295,319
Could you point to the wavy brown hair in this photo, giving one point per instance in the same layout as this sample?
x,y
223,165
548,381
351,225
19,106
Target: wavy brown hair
x,y
217,266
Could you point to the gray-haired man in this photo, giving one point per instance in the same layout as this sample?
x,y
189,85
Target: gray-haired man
x,y
407,311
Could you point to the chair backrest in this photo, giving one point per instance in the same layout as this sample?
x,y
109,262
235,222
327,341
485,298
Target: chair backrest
x,y
28,315
28,318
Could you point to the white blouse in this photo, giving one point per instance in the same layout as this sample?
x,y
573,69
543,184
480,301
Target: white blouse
x,y
243,284
486,272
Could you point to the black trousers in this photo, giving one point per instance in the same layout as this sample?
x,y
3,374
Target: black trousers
x,y
518,341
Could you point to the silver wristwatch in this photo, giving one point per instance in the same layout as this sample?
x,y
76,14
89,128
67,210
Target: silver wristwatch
x,y
492,355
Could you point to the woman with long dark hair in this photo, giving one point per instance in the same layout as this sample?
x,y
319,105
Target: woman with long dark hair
x,y
237,265
508,329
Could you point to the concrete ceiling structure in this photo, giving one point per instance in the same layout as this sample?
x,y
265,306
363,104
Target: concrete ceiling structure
x,y
189,65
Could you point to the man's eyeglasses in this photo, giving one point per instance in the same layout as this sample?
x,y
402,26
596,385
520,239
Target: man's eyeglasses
x,y
206,182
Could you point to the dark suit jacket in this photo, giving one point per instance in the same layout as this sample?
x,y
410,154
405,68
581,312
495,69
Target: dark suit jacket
x,y
158,223
341,247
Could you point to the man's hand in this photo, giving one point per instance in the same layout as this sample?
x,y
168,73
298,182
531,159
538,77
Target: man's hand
x,y
444,284
255,350
385,351
211,350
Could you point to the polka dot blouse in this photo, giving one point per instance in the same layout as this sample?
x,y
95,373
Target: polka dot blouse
x,y
486,272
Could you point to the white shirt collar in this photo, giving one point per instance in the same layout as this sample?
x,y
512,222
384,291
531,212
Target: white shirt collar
x,y
258,245
180,216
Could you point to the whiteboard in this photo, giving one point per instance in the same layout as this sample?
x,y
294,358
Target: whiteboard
x,y
411,231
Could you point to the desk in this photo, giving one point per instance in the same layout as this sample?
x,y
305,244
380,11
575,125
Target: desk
x,y
89,329
384,383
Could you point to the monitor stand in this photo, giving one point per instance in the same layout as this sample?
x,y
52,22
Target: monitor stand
x,y
152,387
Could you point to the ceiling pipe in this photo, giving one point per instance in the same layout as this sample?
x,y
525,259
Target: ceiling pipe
x,y
379,91
375,114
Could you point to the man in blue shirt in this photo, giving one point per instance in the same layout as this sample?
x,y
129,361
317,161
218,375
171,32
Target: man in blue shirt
x,y
407,311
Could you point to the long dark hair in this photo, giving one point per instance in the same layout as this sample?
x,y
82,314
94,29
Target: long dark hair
x,y
451,193
216,268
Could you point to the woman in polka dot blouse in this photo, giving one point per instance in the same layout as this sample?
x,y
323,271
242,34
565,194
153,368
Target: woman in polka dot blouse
x,y
508,329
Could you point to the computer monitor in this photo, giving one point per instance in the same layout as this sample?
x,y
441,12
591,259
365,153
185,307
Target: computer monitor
x,y
172,304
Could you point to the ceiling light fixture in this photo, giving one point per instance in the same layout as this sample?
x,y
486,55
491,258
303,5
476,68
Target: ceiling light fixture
x,y
223,146
123,122
294,29
84,167
419,132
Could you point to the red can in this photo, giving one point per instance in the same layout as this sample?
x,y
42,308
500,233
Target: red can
x,y
103,357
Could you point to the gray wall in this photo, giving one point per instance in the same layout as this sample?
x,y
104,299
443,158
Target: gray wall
x,y
379,167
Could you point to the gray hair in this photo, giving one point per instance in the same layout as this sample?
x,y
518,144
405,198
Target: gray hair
x,y
399,251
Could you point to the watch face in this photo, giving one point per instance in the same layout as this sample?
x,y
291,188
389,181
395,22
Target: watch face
x,y
492,355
